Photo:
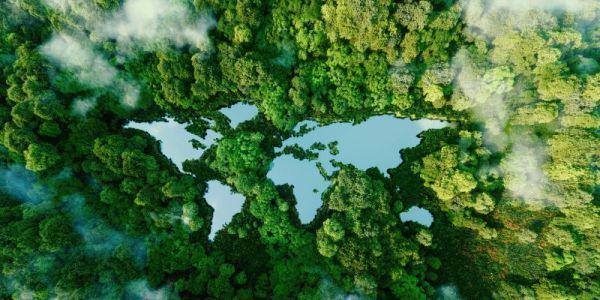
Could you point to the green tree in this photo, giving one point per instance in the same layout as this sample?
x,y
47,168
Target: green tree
x,y
56,233
365,24
40,157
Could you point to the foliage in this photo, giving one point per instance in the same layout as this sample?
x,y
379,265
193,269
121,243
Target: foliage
x,y
90,209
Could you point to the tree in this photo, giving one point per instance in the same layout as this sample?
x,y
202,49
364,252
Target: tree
x,y
413,15
365,24
137,164
56,233
362,235
541,113
17,139
241,154
40,157
176,75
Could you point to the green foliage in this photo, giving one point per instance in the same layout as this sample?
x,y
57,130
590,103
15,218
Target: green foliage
x,y
365,24
108,4
448,173
40,157
363,235
241,154
57,233
541,113
520,86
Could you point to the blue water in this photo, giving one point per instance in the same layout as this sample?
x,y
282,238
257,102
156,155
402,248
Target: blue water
x,y
225,203
175,140
373,143
418,215
176,145
239,113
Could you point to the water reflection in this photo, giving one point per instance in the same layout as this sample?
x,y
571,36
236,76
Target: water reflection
x,y
373,143
239,113
418,215
175,140
225,202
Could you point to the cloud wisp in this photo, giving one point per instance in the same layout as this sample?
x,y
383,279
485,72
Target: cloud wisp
x,y
90,68
523,173
492,18
22,184
99,238
140,289
137,25
491,89
141,24
147,23
81,106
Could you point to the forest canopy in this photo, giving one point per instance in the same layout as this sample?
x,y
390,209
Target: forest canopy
x,y
91,209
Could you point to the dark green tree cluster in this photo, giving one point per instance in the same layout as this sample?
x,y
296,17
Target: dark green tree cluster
x,y
90,209
363,238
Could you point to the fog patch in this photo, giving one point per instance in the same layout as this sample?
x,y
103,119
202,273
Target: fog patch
x,y
417,215
148,22
145,24
491,18
523,172
484,93
239,113
138,24
329,290
81,107
426,124
13,7
85,13
89,67
287,58
586,65
175,140
13,286
141,290
447,292
23,185
373,143
99,238
131,94
492,93
24,295
225,203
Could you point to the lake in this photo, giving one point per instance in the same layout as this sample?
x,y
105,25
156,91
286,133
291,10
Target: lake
x,y
375,142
